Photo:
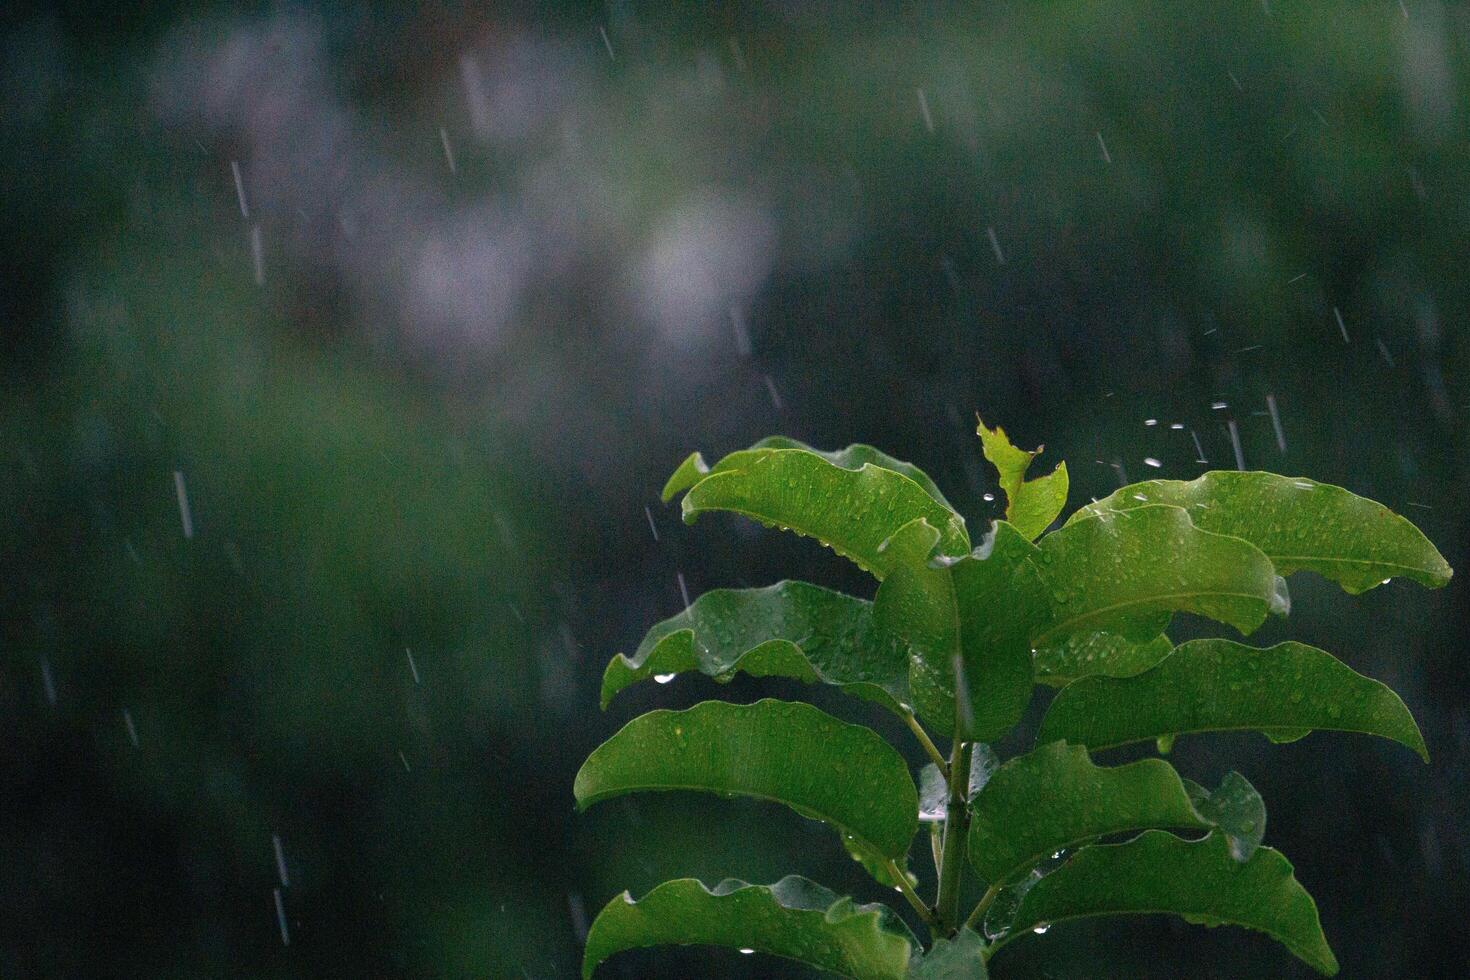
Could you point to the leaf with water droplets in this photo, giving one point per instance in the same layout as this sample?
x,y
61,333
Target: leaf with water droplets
x,y
1127,572
795,918
1159,872
850,511
1055,797
977,611
960,958
855,456
1031,505
1219,685
1300,524
790,629
782,751
1085,654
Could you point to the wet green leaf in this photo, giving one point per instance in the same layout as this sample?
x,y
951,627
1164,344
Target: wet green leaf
x,y
855,456
790,629
1220,685
850,511
1055,797
1127,572
795,918
1085,654
1031,505
1160,873
1299,523
960,958
1236,809
979,610
782,751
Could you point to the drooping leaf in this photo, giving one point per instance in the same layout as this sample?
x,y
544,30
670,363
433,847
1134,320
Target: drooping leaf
x,y
1054,797
960,958
1158,872
783,751
1127,572
1219,685
1031,505
1236,808
1299,523
1085,654
790,629
850,511
980,609
794,918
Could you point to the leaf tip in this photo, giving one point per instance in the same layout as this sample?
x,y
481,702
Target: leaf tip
x,y
690,472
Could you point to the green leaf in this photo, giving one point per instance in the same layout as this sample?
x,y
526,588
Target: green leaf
x,y
790,629
1299,523
1127,572
783,751
1219,685
690,472
980,609
855,456
795,918
850,511
1054,797
1031,505
1085,654
960,958
1160,873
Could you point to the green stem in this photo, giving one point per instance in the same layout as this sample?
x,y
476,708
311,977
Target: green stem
x,y
925,913
985,902
928,743
956,825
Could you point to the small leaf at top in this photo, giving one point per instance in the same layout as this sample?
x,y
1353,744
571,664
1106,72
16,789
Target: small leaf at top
x,y
1085,654
960,958
1219,685
1299,523
1055,797
850,511
1128,572
795,918
790,629
1158,872
1031,505
782,751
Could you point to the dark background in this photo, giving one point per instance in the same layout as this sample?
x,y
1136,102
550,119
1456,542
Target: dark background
x,y
416,407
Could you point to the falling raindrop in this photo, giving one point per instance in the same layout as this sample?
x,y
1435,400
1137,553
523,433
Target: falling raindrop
x,y
240,189
281,917
1107,157
448,151
924,110
995,245
579,915
683,589
412,667
663,678
1340,325
132,729
1235,445
1276,422
186,517
651,526
280,861
1151,461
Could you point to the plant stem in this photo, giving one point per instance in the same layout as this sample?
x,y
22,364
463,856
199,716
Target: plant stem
x,y
956,824
925,913
928,743
985,902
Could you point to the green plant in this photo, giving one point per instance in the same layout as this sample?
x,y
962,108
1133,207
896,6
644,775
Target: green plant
x,y
956,640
